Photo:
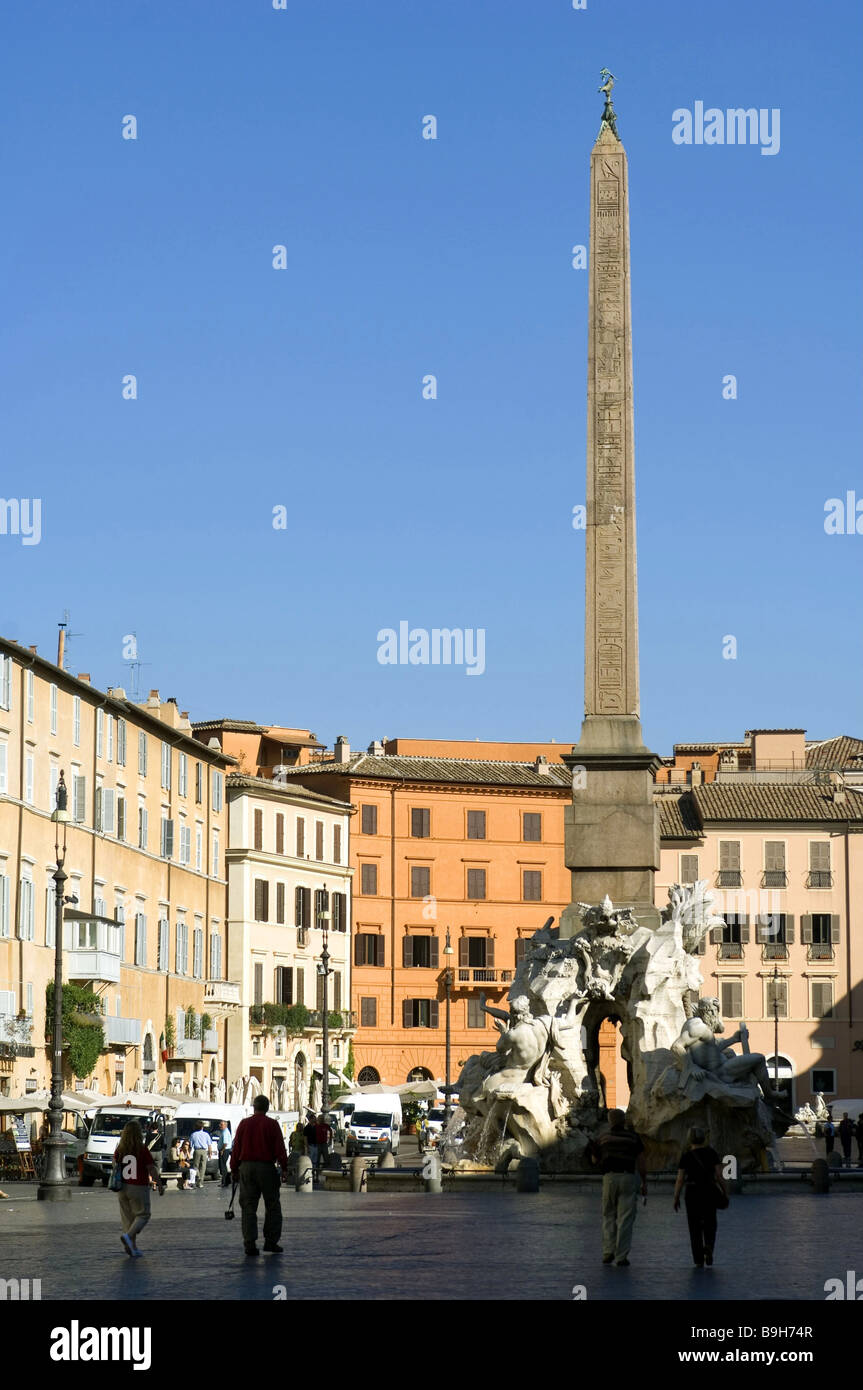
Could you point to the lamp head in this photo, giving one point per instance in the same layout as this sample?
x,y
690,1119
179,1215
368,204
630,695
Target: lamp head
x,y
60,814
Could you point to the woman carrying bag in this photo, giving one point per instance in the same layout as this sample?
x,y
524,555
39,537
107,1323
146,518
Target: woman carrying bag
x,y
700,1169
131,1175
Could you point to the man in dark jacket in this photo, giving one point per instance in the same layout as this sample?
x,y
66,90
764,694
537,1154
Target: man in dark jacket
x,y
846,1134
258,1147
620,1154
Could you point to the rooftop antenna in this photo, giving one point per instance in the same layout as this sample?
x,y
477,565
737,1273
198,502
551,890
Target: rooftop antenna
x,y
64,637
136,666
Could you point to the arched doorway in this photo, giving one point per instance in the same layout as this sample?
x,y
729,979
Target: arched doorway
x,y
300,1081
419,1074
602,1041
369,1076
782,1066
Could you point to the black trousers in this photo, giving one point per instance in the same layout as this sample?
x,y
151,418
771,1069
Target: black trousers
x,y
259,1180
701,1218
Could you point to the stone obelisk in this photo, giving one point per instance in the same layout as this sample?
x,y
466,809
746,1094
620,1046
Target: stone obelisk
x,y
612,836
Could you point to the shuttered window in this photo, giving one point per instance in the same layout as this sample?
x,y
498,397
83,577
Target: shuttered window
x,y
215,956
259,830
262,900
476,883
369,878
280,834
731,999
531,826
121,817
368,948
337,991
142,754
688,868
822,998
197,953
532,885
337,844
199,782
420,952
140,938
163,944
476,825
26,909
729,864
5,899
258,988
322,905
166,766
319,839
283,988
420,823
167,841
819,864
53,709
420,1013
340,912
476,1017
121,742
520,949
368,1013
108,809
182,774
182,962
420,881
79,785
301,986
280,903
774,864
302,907
301,838
776,994
369,820
142,827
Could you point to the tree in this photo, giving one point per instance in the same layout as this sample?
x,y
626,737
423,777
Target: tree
x,y
82,1031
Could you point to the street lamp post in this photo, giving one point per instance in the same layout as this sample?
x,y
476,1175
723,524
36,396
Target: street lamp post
x,y
324,972
775,1026
447,978
54,1187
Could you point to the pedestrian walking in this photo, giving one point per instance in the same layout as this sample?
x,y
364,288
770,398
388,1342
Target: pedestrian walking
x,y
225,1139
135,1171
829,1132
258,1147
296,1145
323,1139
846,1134
154,1138
200,1142
860,1140
311,1133
620,1154
699,1174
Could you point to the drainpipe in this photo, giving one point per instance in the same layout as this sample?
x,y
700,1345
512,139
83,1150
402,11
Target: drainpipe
x,y
848,926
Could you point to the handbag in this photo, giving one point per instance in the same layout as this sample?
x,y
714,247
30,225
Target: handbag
x,y
115,1182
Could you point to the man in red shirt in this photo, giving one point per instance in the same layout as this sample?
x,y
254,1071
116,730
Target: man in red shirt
x,y
258,1147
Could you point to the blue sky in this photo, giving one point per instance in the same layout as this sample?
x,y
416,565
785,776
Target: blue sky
x,y
302,387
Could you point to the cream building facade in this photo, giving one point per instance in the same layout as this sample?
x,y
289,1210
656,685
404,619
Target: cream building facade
x,y
145,852
287,861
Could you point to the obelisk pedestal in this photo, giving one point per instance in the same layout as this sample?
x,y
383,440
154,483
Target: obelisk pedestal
x,y
612,836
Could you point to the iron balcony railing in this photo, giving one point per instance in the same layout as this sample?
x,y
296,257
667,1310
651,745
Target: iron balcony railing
x,y
820,950
729,878
774,878
819,878
774,950
482,975
731,950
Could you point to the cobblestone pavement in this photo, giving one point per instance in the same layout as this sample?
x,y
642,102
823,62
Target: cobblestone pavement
x,y
460,1244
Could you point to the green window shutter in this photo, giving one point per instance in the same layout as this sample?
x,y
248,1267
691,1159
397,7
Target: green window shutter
x,y
834,928
407,1013
434,1014
806,928
789,928
463,948
408,951
380,950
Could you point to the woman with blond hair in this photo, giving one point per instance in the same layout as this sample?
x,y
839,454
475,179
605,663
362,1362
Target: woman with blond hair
x,y
134,1171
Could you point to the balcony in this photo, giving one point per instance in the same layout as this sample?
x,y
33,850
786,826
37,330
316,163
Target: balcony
x,y
731,950
122,1032
819,878
467,977
729,878
315,1020
210,1040
222,994
819,950
187,1050
774,878
774,950
92,951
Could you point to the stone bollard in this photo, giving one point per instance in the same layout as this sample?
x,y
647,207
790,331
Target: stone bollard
x,y
358,1175
527,1175
820,1175
833,1160
304,1180
386,1160
431,1171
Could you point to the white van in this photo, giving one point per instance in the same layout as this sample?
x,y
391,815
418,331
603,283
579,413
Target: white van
x,y
104,1136
374,1125
201,1114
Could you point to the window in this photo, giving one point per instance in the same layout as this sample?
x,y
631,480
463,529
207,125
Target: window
x,y
420,1013
258,988
476,883
340,912
121,743
140,938
217,790
197,953
166,844
319,839
420,881
4,768
688,868
733,936
216,864
215,956
337,844
5,682
302,908
54,776
774,864
368,948
819,931
110,728
824,1080
52,693
283,987
76,720
369,878
182,774
731,999
476,825
301,837
262,900
199,849
337,991
142,827
322,905
822,998
532,885
476,1017
109,797
369,1076
29,684
776,993
79,796
142,753
531,829
729,864
163,944
182,955
26,914
28,779
280,833
199,782
368,1013
185,843
520,949
420,819
775,932
420,952
280,903
121,817
5,885
50,914
819,865
166,766
259,830
301,986
369,820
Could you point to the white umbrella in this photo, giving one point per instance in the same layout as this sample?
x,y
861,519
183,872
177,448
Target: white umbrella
x,y
118,1088
25,1105
219,1092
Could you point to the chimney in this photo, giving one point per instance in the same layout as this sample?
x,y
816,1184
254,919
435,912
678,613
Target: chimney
x,y
116,692
696,775
61,645
214,743
34,651
153,701
342,750
541,766
84,676
376,748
